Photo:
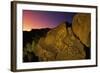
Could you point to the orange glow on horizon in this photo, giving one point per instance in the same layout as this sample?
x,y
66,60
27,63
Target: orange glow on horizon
x,y
43,19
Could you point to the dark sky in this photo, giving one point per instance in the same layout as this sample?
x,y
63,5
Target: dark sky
x,y
44,19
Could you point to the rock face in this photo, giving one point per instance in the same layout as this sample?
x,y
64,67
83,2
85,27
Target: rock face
x,y
81,26
60,44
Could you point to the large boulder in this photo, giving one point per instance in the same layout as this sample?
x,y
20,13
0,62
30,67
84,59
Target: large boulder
x,y
81,26
60,44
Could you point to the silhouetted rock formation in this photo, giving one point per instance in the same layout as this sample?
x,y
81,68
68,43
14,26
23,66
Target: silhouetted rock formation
x,y
34,34
30,39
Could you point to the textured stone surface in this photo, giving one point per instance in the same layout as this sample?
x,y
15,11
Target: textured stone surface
x,y
81,26
60,44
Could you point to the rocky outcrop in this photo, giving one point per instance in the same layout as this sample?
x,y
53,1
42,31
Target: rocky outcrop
x,y
60,44
81,26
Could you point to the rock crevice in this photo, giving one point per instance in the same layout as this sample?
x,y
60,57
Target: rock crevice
x,y
66,42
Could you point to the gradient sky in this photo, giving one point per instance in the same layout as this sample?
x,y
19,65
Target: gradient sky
x,y
44,19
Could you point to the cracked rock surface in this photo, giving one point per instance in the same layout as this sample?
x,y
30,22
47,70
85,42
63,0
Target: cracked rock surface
x,y
82,28
64,42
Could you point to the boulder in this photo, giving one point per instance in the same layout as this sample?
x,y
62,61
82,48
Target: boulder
x,y
60,44
81,26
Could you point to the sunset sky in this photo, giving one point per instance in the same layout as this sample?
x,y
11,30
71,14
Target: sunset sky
x,y
44,19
